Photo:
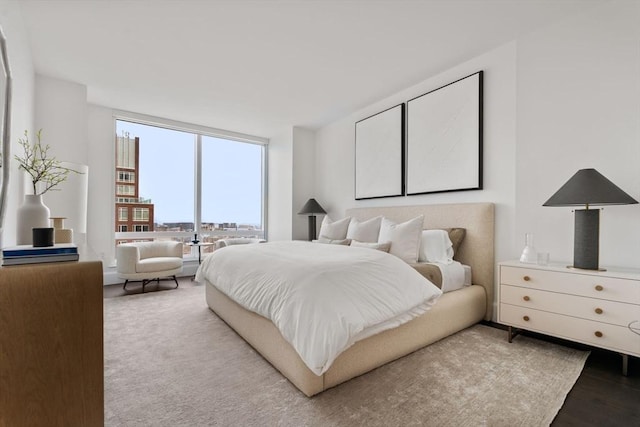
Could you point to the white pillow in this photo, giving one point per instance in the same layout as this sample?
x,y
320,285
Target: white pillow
x,y
364,231
384,247
435,246
334,230
404,237
333,242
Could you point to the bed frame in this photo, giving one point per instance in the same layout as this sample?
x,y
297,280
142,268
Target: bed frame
x,y
453,312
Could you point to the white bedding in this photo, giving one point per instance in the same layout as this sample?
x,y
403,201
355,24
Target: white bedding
x,y
322,298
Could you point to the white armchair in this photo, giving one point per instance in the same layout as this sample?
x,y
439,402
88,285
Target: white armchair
x,y
148,261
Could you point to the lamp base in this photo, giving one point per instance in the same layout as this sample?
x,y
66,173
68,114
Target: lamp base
x,y
312,227
586,239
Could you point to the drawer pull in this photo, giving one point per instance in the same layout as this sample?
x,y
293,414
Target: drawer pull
x,y
526,298
598,334
599,288
526,278
599,311
525,318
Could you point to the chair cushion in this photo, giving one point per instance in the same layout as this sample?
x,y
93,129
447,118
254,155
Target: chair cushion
x,y
150,265
158,249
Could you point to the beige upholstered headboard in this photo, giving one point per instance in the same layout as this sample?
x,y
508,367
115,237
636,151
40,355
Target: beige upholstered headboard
x,y
477,248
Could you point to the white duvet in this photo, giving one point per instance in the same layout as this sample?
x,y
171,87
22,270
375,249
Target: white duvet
x,y
322,298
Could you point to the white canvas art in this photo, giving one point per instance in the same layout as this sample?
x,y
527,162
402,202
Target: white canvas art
x,y
379,155
444,138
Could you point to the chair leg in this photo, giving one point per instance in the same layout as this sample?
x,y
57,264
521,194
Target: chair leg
x,y
145,282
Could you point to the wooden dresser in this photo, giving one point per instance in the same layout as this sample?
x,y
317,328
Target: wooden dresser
x,y
599,308
51,346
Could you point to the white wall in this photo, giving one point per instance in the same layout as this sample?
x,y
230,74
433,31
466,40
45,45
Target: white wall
x,y
61,113
579,107
100,228
21,63
335,147
280,186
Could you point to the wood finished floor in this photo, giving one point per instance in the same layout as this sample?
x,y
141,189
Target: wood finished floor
x,y
600,397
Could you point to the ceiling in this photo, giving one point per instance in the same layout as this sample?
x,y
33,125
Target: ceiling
x,y
262,66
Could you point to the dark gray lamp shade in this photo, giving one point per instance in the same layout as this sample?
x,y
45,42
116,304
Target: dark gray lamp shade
x,y
312,208
588,187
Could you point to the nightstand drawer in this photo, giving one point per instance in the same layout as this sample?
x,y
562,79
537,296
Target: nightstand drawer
x,y
612,337
573,282
612,312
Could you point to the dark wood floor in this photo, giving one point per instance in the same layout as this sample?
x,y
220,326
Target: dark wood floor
x,y
600,397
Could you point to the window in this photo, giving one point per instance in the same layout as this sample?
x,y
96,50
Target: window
x,y
123,214
126,177
179,181
140,214
122,228
125,190
236,181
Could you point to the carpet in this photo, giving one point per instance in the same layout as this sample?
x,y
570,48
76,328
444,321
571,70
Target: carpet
x,y
170,361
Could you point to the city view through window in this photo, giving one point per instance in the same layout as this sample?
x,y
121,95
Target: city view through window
x,y
161,195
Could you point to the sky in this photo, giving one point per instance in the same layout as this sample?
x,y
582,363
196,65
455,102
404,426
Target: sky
x,y
231,175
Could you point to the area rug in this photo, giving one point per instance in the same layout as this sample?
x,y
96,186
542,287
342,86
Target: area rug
x,y
170,361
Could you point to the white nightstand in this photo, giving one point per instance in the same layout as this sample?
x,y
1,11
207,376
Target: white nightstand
x,y
599,308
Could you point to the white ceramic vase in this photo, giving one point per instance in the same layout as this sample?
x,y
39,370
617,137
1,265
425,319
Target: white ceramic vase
x,y
529,254
31,214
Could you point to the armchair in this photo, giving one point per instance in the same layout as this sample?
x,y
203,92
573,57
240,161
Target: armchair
x,y
148,261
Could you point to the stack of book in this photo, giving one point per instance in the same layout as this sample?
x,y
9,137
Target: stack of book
x,y
27,254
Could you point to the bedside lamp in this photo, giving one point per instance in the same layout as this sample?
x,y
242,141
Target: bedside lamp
x,y
312,208
589,188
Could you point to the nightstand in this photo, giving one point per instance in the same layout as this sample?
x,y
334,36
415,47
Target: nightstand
x,y
598,308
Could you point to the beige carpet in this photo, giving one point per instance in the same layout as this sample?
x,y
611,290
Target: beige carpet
x,y
169,361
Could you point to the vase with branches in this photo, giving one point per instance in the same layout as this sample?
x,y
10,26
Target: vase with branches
x,y
45,173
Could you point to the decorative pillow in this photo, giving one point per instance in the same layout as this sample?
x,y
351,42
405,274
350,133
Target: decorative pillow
x,y
404,237
333,242
456,235
384,247
364,231
435,246
334,230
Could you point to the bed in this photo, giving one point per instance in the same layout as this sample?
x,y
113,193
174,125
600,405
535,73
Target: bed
x,y
453,311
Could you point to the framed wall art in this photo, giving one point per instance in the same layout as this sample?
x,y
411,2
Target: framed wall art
x,y
379,154
444,138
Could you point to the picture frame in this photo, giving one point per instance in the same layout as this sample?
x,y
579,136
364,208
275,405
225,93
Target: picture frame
x,y
444,138
379,154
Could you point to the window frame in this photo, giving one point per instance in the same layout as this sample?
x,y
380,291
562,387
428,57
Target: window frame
x,y
198,131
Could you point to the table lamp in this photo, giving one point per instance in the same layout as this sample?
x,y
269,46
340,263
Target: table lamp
x,y
589,188
311,208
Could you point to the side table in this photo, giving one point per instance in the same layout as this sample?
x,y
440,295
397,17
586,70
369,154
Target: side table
x,y
199,245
